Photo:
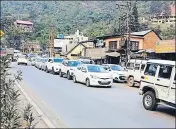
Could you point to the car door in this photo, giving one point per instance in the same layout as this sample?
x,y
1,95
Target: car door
x,y
137,72
64,67
163,81
172,89
49,64
78,73
129,69
150,73
83,74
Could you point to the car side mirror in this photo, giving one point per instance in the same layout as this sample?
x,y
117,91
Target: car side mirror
x,y
78,68
84,71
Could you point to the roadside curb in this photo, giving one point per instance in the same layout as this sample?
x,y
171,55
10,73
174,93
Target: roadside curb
x,y
45,119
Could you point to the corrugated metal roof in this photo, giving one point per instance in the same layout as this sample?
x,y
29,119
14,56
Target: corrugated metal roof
x,y
141,33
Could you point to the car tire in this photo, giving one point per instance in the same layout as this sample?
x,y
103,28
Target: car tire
x,y
60,73
87,82
149,101
53,71
47,70
26,64
74,79
18,63
130,81
68,75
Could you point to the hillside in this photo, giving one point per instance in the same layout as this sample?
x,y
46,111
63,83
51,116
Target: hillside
x,y
93,18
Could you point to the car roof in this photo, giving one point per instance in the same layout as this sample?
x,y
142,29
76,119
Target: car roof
x,y
137,61
167,62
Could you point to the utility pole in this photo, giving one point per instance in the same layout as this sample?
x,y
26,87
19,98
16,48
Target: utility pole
x,y
127,11
51,39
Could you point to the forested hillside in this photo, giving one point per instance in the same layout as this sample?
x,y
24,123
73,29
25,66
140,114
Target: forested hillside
x,y
93,18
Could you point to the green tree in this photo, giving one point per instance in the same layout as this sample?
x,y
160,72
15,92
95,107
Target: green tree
x,y
134,20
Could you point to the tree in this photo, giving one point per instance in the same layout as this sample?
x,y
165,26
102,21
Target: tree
x,y
134,20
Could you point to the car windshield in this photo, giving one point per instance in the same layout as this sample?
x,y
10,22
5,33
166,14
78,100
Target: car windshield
x,y
58,60
73,63
116,68
95,68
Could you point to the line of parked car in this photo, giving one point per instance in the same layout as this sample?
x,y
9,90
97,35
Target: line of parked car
x,y
156,78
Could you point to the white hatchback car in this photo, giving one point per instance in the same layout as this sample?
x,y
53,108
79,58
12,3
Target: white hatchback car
x,y
92,75
22,60
117,72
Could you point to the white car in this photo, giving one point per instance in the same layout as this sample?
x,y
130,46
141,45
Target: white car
x,y
33,61
117,72
38,62
43,65
53,65
133,71
92,75
68,67
157,84
22,60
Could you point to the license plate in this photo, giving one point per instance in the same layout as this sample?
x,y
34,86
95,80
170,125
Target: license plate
x,y
104,81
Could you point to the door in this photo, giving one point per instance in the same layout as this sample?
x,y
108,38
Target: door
x,y
172,91
83,74
137,72
49,64
149,77
78,73
129,69
163,81
64,66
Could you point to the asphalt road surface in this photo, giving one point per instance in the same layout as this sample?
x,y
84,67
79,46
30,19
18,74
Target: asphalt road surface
x,y
80,106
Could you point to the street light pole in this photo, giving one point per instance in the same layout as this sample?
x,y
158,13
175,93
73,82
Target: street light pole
x,y
51,41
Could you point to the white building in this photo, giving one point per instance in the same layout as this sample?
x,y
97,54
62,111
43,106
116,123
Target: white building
x,y
68,42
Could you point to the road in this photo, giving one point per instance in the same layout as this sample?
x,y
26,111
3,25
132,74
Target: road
x,y
80,106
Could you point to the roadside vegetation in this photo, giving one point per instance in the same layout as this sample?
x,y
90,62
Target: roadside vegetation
x,y
11,114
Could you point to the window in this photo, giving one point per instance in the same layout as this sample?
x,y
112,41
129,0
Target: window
x,y
137,66
112,45
151,69
130,65
134,45
142,67
165,71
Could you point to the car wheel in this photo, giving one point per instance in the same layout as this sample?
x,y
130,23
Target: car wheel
x,y
130,81
87,82
53,71
68,75
74,79
149,101
60,73
26,64
18,63
47,70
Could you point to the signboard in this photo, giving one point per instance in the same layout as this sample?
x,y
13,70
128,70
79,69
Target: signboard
x,y
165,46
99,43
60,36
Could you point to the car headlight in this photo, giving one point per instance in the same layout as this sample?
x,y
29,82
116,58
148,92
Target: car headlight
x,y
95,77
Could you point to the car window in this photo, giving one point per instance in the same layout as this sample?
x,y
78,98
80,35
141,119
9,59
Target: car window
x,y
130,65
96,68
151,69
137,66
165,72
58,60
142,67
116,68
73,63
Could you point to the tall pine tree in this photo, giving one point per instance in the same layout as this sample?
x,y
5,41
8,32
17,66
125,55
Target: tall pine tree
x,y
134,19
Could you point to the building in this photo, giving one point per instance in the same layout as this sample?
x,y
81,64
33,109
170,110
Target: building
x,y
30,47
26,26
166,49
66,43
162,19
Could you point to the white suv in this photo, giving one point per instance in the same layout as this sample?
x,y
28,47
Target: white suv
x,y
117,72
134,68
158,84
67,68
53,65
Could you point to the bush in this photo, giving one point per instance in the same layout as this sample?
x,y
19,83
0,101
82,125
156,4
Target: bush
x,y
10,111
